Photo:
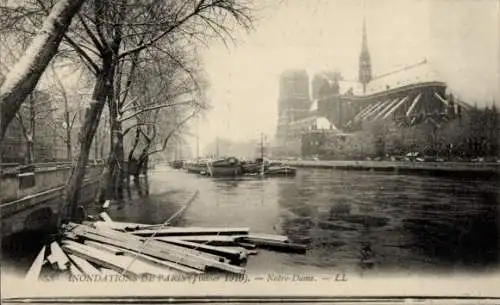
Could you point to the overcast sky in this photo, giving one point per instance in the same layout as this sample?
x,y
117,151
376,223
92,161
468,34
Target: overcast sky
x,y
459,38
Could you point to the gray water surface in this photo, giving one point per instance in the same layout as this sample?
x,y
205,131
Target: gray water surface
x,y
351,220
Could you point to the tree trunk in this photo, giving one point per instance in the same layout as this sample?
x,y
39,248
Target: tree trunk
x,y
132,162
69,153
96,146
143,160
108,185
31,138
69,127
24,76
101,193
87,132
30,151
117,155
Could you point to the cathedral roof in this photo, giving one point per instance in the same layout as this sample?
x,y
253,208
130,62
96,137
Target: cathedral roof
x,y
354,86
414,74
346,85
418,73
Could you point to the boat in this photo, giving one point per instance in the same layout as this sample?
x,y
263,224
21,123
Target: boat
x,y
266,168
196,166
279,169
177,164
252,167
225,167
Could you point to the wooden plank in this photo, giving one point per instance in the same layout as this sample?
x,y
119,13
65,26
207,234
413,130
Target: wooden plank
x,y
36,267
106,260
232,254
159,246
106,204
157,249
129,238
213,240
74,270
252,252
164,252
179,231
156,253
147,258
58,256
247,245
122,226
51,259
247,251
133,263
276,245
238,249
275,237
105,217
104,247
83,265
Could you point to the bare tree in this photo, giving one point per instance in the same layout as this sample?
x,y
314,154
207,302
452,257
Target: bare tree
x,y
69,113
163,93
34,111
111,33
23,77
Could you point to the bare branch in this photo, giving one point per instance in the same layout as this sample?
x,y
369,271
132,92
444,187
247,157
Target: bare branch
x,y
181,65
130,77
129,102
59,83
165,98
126,131
92,65
173,131
98,22
154,40
91,34
153,108
73,121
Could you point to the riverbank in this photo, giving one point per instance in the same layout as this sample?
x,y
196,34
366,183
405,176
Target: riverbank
x,y
483,170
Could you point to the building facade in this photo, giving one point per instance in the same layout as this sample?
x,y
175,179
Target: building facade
x,y
35,119
338,107
293,105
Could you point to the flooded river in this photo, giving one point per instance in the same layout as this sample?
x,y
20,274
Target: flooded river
x,y
354,221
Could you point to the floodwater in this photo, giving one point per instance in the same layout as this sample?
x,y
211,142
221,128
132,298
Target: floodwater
x,y
352,221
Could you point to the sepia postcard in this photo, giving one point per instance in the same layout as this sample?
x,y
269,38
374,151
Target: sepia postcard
x,y
250,151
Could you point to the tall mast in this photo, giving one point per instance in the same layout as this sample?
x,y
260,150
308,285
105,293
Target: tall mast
x,y
262,153
262,146
197,139
217,147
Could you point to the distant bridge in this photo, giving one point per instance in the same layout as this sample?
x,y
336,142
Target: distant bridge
x,y
31,197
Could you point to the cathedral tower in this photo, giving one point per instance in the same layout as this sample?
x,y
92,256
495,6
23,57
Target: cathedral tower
x,y
365,66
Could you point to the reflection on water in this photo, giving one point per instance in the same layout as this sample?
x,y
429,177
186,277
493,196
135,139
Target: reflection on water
x,y
358,220
362,221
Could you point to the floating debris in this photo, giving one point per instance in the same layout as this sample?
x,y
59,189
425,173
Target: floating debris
x,y
131,250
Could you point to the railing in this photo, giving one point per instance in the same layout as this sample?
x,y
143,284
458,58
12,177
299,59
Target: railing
x,y
19,181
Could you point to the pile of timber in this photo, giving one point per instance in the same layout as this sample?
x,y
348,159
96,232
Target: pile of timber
x,y
133,250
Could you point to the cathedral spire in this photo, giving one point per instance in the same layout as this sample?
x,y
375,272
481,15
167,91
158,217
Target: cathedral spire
x,y
365,67
364,47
